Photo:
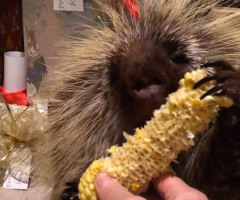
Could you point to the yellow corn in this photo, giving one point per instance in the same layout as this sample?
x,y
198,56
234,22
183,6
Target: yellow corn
x,y
150,151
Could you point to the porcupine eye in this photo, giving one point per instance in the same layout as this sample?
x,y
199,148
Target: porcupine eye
x,y
176,54
180,59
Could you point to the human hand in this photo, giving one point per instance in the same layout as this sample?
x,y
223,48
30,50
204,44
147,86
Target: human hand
x,y
168,186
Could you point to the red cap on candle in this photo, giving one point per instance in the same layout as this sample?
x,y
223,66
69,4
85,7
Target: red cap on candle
x,y
18,98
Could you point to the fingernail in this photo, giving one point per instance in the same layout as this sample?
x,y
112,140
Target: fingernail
x,y
103,180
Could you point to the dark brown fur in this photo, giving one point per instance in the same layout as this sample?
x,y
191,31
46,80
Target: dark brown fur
x,y
123,70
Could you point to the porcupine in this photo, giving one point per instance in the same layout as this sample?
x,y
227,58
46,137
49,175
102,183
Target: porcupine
x,y
113,79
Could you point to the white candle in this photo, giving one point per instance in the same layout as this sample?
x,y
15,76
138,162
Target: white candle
x,y
14,71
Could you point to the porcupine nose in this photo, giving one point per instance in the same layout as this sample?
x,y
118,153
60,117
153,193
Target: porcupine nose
x,y
146,85
142,74
144,79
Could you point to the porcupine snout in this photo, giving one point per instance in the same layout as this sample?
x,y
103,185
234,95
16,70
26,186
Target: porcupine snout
x,y
142,72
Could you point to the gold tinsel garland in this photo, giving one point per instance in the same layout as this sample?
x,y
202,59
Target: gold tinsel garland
x,y
19,126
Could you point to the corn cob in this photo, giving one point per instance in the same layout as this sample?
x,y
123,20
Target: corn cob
x,y
150,151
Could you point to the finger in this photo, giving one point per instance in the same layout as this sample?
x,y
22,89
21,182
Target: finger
x,y
108,189
173,188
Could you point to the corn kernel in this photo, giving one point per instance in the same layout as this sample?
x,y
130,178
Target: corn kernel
x,y
197,102
135,186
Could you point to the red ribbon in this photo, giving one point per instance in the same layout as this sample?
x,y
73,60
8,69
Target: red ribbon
x,y
132,8
19,98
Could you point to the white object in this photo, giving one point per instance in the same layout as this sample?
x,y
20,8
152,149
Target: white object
x,y
14,184
68,5
18,172
14,71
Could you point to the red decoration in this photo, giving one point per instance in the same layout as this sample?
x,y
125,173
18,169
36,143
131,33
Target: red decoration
x,y
132,8
19,98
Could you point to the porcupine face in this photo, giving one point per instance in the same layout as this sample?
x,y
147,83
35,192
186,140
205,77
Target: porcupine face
x,y
148,66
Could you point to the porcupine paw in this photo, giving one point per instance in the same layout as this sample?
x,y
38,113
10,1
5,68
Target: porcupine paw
x,y
227,81
70,192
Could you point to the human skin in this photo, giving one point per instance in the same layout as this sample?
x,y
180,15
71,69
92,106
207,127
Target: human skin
x,y
169,187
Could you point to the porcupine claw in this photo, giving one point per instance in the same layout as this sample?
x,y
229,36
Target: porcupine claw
x,y
227,80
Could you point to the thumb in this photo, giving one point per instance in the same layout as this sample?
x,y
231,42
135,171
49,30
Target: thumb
x,y
108,189
171,188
